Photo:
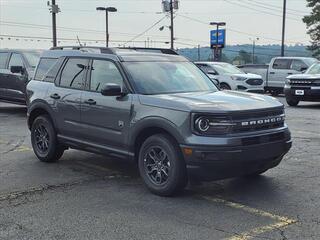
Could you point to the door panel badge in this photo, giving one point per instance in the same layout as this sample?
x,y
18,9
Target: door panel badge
x,y
120,124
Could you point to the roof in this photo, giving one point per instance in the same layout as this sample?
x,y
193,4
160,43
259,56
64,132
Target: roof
x,y
121,54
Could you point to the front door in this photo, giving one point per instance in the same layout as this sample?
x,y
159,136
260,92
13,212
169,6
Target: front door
x,y
106,118
16,82
279,72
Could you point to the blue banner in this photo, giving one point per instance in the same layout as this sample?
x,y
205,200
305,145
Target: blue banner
x,y
221,38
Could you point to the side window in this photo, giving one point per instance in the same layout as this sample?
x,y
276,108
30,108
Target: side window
x,y
298,65
281,64
16,60
72,75
103,72
3,59
45,64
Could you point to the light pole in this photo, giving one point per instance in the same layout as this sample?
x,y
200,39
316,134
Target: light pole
x,y
107,10
218,24
254,47
283,26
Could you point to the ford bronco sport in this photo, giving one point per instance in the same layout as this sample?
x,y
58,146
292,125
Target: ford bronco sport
x,y
155,107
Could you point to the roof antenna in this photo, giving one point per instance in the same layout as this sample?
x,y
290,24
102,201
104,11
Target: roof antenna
x,y
79,41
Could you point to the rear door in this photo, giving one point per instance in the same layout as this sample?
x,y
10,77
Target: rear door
x,y
65,96
280,70
4,73
106,118
16,82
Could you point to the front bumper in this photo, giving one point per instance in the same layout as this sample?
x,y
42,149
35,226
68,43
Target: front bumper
x,y
221,162
311,93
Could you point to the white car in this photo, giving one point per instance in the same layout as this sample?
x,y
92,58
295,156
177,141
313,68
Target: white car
x,y
232,78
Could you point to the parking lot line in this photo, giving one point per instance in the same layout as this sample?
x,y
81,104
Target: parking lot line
x,y
281,221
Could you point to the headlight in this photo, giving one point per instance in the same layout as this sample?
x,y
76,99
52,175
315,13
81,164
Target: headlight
x,y
211,125
238,78
288,81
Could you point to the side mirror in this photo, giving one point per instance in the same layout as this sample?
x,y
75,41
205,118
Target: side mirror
x,y
212,72
111,89
17,69
303,69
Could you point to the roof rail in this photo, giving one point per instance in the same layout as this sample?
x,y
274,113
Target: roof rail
x,y
84,48
113,50
161,50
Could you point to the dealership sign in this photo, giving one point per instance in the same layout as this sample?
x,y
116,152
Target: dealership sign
x,y
221,38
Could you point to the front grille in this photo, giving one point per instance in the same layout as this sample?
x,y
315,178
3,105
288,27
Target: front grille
x,y
244,122
305,82
254,81
256,121
263,139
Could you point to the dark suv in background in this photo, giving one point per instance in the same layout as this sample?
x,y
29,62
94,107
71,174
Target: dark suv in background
x,y
16,69
154,107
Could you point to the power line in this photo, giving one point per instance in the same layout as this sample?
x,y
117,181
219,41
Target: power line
x,y
148,29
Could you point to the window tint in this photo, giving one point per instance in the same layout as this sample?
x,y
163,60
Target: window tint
x,y
44,65
281,64
3,60
16,60
73,73
103,72
298,65
206,68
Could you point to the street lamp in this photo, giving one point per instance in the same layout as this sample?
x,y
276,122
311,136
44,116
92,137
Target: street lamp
x,y
107,10
218,24
254,47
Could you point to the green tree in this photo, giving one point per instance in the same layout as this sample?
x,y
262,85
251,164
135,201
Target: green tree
x,y
313,25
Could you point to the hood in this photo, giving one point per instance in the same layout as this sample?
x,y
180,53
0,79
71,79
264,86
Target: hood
x,y
220,101
304,76
247,75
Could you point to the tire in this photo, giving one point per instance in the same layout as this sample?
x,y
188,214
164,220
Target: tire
x,y
292,102
274,93
164,177
44,140
224,86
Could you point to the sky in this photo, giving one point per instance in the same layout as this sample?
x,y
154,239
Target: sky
x,y
27,23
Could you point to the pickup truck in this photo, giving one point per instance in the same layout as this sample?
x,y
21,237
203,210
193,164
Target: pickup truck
x,y
275,74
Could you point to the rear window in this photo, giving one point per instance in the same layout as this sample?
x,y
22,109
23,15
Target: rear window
x,y
281,64
45,64
3,59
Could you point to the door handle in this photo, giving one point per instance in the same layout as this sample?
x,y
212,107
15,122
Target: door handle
x,y
290,73
272,72
55,96
90,102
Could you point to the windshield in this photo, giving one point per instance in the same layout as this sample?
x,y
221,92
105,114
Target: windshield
x,y
32,57
314,69
226,68
311,61
168,77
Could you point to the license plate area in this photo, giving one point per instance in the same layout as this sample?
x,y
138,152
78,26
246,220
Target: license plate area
x,y
299,92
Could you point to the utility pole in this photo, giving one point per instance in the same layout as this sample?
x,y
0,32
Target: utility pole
x,y
54,10
171,26
168,7
283,27
254,48
199,57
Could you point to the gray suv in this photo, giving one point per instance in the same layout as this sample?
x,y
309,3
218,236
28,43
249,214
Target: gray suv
x,y
156,108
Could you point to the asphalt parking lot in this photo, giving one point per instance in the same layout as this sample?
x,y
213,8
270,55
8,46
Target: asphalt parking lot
x,y
87,196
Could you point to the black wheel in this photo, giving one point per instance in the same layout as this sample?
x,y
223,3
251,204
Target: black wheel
x,y
292,102
224,86
274,93
44,140
161,165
